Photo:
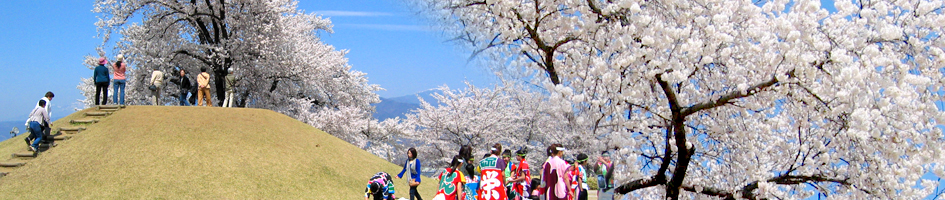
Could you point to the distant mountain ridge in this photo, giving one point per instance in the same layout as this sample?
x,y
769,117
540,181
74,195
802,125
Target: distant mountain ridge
x,y
390,108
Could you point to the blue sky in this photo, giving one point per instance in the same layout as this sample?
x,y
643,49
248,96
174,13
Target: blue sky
x,y
42,44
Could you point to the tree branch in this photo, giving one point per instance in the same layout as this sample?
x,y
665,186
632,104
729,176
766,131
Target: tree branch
x,y
727,99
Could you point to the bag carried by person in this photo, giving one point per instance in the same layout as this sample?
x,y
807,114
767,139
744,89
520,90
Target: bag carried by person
x,y
152,87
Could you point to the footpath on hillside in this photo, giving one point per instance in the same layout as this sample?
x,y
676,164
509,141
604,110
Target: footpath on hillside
x,y
64,131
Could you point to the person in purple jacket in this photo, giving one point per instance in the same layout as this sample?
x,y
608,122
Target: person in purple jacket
x,y
412,167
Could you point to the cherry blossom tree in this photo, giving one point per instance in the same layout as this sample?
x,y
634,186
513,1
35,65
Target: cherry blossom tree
x,y
732,99
480,117
273,47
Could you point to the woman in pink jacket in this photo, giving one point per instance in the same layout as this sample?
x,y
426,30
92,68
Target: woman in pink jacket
x,y
554,174
118,72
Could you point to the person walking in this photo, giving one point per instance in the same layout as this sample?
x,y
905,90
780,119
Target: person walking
x,y
554,174
185,86
203,90
230,83
101,82
118,70
37,118
48,99
157,80
412,168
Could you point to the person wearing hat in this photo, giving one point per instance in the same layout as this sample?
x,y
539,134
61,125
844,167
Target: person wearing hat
x,y
101,82
118,70
157,80
605,176
520,176
554,174
230,83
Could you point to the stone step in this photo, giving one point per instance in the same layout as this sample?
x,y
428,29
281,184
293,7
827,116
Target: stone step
x,y
24,155
12,164
67,132
75,121
108,110
62,137
109,107
97,114
71,128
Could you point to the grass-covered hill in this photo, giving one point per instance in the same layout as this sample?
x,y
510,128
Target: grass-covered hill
x,y
150,152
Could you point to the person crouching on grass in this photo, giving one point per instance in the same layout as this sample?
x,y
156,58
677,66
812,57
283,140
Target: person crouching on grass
x,y
379,187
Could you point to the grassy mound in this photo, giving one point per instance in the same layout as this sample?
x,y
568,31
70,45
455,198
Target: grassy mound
x,y
147,152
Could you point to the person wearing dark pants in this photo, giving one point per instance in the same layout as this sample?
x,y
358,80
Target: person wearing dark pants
x,y
412,168
185,86
101,82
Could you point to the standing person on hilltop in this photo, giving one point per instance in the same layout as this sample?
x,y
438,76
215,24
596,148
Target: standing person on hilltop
x,y
37,118
412,168
451,181
203,87
118,69
605,176
157,80
521,176
184,85
554,177
492,185
101,82
230,83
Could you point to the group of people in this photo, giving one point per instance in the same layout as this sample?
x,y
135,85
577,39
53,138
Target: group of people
x,y
156,85
38,123
497,177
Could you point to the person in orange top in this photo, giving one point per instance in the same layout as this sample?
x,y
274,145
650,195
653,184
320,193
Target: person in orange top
x,y
203,90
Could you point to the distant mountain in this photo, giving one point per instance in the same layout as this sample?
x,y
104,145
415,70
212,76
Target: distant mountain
x,y
399,106
426,95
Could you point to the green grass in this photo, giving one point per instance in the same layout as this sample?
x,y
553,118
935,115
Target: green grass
x,y
147,152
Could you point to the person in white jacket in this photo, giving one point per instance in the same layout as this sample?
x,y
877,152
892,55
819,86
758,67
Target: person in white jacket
x,y
38,117
48,98
157,80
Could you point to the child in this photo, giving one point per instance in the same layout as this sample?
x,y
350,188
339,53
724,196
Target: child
x,y
451,181
521,185
380,187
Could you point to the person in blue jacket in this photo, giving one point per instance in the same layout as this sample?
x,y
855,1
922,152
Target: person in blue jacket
x,y
101,82
412,166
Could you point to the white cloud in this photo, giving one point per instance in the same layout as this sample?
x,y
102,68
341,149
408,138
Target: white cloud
x,y
340,13
390,27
